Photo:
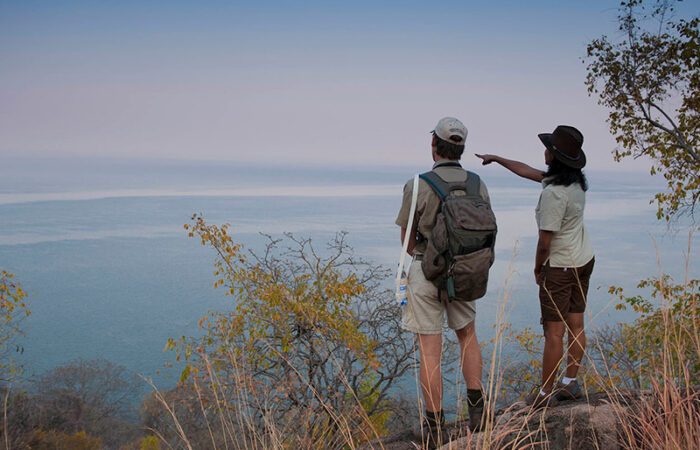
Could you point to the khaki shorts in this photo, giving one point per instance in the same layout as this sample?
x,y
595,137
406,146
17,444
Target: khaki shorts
x,y
425,313
564,291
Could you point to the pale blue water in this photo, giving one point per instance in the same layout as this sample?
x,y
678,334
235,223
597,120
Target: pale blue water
x,y
101,243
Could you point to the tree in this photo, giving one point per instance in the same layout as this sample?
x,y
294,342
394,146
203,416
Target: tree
x,y
83,404
312,342
14,309
650,81
96,396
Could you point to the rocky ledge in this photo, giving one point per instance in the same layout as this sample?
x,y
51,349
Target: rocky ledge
x,y
591,422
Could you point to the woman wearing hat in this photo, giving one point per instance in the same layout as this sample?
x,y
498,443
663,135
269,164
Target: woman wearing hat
x,y
564,257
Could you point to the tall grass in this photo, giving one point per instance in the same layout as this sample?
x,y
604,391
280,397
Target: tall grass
x,y
664,414
230,414
229,419
661,355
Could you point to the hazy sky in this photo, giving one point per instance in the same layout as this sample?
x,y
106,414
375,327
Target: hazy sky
x,y
324,82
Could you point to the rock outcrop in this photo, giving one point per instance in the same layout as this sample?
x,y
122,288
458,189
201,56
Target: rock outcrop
x,y
591,422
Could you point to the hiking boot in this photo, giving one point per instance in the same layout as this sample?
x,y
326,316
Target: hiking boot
x,y
475,408
430,436
537,401
569,391
476,418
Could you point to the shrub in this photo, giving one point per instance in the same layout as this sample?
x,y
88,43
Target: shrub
x,y
309,351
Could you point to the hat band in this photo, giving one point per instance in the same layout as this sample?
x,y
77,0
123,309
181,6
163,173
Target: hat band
x,y
570,158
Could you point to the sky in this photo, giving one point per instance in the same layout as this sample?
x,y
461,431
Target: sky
x,y
319,83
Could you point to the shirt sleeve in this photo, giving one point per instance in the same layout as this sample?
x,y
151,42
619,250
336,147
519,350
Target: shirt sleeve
x,y
402,219
551,209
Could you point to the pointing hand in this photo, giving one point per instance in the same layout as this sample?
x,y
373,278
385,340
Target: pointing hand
x,y
486,159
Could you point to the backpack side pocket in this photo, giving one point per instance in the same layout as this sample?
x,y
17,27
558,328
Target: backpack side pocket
x,y
434,261
471,274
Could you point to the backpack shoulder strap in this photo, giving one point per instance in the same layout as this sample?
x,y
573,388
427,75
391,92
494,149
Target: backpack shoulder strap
x,y
473,184
440,186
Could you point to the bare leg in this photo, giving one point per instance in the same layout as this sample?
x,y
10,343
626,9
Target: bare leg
x,y
553,352
471,356
430,348
577,343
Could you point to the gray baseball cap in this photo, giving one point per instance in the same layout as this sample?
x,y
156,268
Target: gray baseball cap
x,y
451,130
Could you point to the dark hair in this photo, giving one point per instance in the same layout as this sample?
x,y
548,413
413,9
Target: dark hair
x,y
448,149
564,175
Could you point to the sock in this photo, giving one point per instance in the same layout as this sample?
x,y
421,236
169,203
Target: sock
x,y
566,380
475,398
435,418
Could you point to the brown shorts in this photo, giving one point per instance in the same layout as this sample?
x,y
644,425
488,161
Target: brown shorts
x,y
564,291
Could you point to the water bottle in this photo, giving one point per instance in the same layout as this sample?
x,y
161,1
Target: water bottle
x,y
402,292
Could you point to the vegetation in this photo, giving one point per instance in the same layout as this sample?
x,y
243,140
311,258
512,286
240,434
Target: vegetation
x,y
312,343
14,309
650,81
45,440
233,392
664,334
650,367
84,404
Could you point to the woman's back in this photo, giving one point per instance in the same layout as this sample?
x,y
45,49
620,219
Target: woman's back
x,y
560,210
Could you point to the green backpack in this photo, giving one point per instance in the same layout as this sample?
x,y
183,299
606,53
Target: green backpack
x,y
460,252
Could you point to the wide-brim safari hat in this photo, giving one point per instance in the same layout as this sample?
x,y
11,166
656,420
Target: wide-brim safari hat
x,y
565,143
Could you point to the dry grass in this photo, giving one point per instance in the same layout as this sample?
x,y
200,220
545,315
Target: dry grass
x,y
665,413
216,413
664,416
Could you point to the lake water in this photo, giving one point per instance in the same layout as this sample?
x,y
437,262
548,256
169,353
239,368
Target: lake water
x,y
101,243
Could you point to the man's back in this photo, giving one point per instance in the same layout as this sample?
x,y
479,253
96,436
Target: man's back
x,y
428,204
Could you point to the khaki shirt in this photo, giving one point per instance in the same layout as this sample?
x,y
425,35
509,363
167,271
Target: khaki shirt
x,y
560,210
428,204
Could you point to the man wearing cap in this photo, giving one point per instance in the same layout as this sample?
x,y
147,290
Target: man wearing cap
x,y
564,258
426,308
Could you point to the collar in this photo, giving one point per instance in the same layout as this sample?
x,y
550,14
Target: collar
x,y
447,163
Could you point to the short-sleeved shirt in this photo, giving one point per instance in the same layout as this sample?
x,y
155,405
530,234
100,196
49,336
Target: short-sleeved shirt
x,y
428,203
560,210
